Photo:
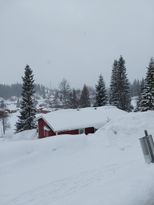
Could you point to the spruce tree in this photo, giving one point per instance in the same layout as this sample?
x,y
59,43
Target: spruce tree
x,y
113,93
135,88
123,87
73,99
142,84
147,97
65,90
119,88
84,99
27,107
101,93
55,103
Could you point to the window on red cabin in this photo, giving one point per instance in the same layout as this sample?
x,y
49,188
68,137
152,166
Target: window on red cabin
x,y
81,131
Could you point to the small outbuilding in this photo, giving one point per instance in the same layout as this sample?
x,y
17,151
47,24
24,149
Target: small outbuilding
x,y
69,121
75,121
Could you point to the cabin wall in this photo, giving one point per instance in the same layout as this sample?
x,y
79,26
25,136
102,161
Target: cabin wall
x,y
69,132
45,131
41,129
77,131
89,130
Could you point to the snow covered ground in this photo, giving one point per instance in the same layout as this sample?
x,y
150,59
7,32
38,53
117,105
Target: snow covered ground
x,y
104,168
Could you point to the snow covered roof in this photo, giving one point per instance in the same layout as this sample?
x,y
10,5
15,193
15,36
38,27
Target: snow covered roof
x,y
70,119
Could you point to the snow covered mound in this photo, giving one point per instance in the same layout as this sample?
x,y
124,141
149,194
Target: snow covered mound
x,y
25,135
102,168
69,119
130,126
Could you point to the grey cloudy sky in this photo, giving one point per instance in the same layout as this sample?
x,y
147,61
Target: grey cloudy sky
x,y
74,39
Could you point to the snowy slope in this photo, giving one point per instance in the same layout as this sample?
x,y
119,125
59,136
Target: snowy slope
x,y
105,168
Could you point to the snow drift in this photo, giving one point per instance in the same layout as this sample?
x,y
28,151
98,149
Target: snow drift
x,y
102,168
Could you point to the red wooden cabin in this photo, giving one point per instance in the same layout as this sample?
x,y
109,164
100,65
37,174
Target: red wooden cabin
x,y
67,122
72,121
45,130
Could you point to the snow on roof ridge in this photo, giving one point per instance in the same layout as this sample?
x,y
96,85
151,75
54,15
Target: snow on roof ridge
x,y
68,119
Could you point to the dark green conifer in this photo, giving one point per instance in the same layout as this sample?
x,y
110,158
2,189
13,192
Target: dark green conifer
x,y
101,93
147,97
26,119
84,99
113,93
119,88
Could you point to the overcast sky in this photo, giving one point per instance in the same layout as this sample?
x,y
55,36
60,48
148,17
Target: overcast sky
x,y
74,39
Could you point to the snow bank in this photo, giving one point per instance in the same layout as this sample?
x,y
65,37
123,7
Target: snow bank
x,y
104,168
128,127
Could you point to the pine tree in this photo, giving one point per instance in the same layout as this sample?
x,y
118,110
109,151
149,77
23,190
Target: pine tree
x,y
142,83
119,88
27,107
65,90
147,97
55,103
73,99
101,93
18,103
84,99
113,93
135,88
123,87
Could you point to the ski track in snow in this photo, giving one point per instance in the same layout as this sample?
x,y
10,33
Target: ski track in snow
x,y
59,189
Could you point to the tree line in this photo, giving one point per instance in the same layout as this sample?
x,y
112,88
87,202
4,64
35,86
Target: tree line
x,y
118,95
7,91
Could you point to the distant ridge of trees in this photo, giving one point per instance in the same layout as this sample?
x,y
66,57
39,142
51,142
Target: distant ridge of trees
x,y
118,94
136,87
7,91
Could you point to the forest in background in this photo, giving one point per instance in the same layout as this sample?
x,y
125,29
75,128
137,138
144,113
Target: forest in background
x,y
8,91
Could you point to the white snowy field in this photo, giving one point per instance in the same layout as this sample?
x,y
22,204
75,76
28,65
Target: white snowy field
x,y
103,168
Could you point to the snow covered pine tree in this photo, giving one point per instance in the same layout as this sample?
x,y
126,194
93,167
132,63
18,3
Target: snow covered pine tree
x,y
84,98
113,94
147,97
27,106
101,93
119,89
